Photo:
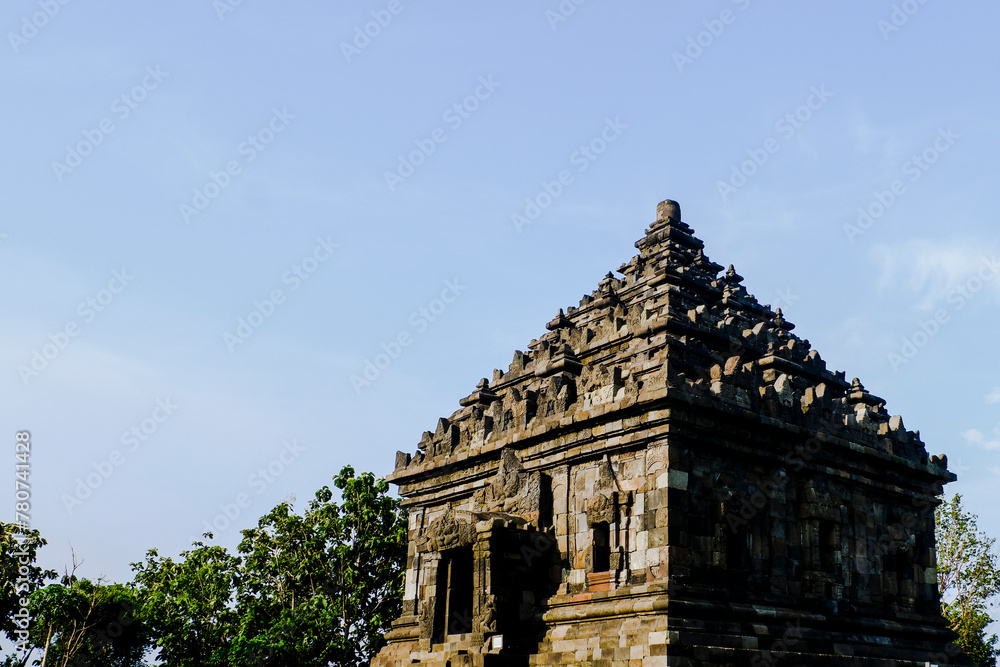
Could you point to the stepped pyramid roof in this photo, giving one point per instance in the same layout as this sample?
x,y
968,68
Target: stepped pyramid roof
x,y
672,325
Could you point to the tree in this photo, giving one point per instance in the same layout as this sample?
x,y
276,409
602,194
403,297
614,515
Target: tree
x,y
190,604
337,570
81,623
968,577
20,576
303,590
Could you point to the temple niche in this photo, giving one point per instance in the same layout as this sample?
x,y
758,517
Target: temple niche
x,y
670,476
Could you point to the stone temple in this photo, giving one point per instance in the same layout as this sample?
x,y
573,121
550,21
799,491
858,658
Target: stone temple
x,y
670,476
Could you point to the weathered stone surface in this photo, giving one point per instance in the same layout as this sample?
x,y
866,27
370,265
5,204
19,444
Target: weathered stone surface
x,y
670,476
447,532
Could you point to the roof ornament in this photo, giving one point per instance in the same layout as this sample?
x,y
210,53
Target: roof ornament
x,y
560,322
668,209
483,394
732,277
781,322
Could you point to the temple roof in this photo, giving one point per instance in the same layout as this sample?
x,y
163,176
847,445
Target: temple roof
x,y
671,323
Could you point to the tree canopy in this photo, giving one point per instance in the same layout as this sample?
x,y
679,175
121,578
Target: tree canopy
x,y
968,578
20,577
79,622
303,590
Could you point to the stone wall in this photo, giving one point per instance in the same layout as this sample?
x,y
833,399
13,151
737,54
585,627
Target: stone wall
x,y
670,476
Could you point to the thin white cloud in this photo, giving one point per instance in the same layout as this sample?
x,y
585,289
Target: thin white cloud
x,y
934,270
993,396
975,437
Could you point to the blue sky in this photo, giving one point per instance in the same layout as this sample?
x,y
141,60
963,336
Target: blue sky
x,y
172,169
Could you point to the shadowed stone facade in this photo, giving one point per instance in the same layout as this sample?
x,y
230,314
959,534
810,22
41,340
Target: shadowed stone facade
x,y
670,476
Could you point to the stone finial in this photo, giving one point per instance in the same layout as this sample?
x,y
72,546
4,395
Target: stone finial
x,y
781,322
560,322
858,394
668,231
668,209
732,277
482,394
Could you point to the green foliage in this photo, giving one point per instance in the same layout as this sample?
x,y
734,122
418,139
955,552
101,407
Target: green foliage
x,y
968,578
75,622
79,622
309,590
971,631
190,604
20,576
